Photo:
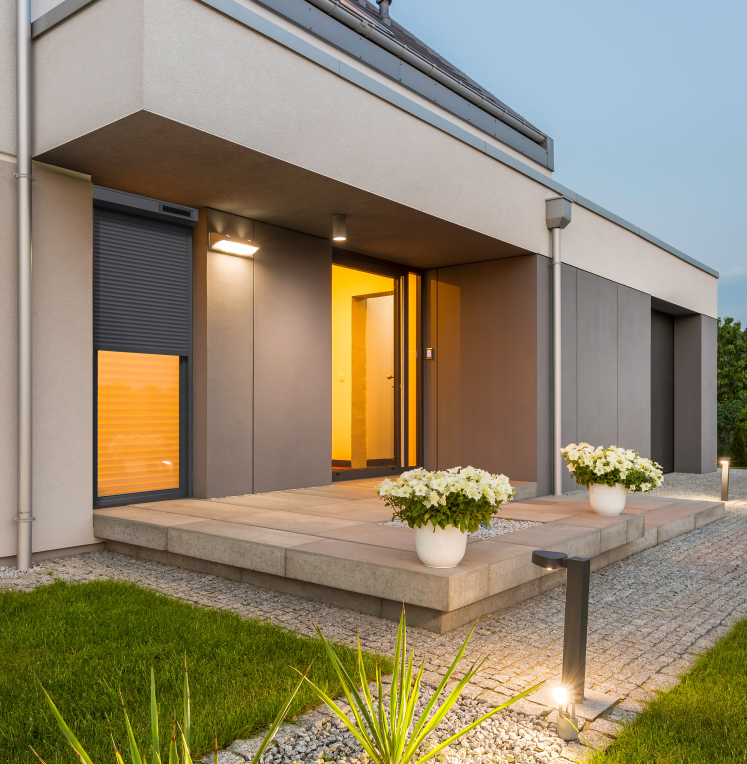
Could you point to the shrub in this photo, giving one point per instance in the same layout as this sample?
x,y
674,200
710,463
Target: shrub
x,y
738,450
728,415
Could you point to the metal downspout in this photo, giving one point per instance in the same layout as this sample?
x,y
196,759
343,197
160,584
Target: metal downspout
x,y
557,216
23,178
557,379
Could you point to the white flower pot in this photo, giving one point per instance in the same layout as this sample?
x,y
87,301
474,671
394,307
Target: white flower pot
x,y
608,500
440,547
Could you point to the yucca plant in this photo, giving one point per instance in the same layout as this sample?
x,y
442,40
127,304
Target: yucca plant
x,y
393,735
178,740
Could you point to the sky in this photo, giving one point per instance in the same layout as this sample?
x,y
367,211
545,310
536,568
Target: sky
x,y
646,101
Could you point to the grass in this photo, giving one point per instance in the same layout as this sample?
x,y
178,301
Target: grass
x,y
87,642
701,721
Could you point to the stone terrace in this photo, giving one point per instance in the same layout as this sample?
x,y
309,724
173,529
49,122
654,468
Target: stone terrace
x,y
328,544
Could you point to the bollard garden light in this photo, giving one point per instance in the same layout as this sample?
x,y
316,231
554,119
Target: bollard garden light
x,y
574,642
724,480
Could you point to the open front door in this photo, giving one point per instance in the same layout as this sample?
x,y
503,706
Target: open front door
x,y
372,372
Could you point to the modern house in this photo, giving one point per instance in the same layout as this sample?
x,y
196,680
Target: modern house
x,y
281,244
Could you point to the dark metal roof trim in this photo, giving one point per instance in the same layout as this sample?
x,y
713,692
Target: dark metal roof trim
x,y
375,45
400,43
243,15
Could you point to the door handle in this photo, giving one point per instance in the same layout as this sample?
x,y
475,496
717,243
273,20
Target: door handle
x,y
390,376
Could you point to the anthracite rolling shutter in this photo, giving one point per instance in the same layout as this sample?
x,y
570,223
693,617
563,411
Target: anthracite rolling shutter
x,y
141,285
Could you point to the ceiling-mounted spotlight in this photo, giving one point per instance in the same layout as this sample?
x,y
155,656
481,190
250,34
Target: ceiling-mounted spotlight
x,y
339,227
230,245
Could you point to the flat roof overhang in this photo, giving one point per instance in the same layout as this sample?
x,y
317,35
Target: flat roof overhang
x,y
148,154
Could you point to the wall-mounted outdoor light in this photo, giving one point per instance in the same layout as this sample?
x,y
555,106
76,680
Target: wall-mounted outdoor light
x,y
571,690
339,227
230,245
724,480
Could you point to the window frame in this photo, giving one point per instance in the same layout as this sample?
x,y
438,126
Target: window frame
x,y
186,427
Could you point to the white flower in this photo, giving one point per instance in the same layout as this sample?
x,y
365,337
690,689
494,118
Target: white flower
x,y
440,484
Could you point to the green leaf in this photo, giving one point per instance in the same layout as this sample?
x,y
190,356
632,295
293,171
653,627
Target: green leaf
x,y
134,753
66,731
173,753
187,717
278,720
154,719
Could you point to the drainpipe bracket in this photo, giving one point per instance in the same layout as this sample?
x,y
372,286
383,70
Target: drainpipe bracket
x,y
17,175
24,519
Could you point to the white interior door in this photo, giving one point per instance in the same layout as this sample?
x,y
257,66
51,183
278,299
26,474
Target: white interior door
x,y
380,390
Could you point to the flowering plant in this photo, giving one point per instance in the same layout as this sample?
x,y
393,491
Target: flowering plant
x,y
609,466
464,498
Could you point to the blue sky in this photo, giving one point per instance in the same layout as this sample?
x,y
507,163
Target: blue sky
x,y
646,101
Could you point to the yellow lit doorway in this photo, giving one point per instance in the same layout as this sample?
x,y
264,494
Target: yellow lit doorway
x,y
374,371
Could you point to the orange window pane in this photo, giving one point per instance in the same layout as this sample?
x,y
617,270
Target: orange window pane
x,y
138,422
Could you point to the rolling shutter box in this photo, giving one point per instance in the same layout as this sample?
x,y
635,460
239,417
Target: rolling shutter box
x,y
142,284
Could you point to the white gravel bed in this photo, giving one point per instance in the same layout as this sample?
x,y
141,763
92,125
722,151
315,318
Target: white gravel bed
x,y
506,738
11,572
498,527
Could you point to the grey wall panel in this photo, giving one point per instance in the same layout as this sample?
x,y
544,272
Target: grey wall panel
x,y
292,360
199,359
634,370
487,366
223,370
687,393
662,389
544,376
695,339
430,370
709,348
596,316
569,362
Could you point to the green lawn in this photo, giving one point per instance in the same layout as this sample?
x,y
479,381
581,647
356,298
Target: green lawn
x,y
87,642
701,721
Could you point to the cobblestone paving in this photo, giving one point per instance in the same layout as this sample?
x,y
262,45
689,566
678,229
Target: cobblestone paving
x,y
649,615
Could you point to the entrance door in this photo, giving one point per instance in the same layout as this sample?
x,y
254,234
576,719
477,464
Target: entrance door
x,y
364,327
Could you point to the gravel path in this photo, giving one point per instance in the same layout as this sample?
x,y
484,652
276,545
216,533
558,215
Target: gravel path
x,y
498,527
650,615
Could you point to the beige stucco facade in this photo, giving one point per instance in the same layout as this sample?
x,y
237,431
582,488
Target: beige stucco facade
x,y
62,338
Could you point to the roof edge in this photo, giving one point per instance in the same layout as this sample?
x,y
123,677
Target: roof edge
x,y
248,18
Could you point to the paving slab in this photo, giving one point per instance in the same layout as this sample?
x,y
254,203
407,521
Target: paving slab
x,y
557,537
205,509
377,571
137,526
295,522
281,500
243,546
528,511
390,536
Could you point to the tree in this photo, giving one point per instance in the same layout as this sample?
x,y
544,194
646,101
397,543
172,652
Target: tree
x,y
732,360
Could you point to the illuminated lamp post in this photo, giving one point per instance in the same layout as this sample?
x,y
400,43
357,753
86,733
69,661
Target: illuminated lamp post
x,y
573,680
724,480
